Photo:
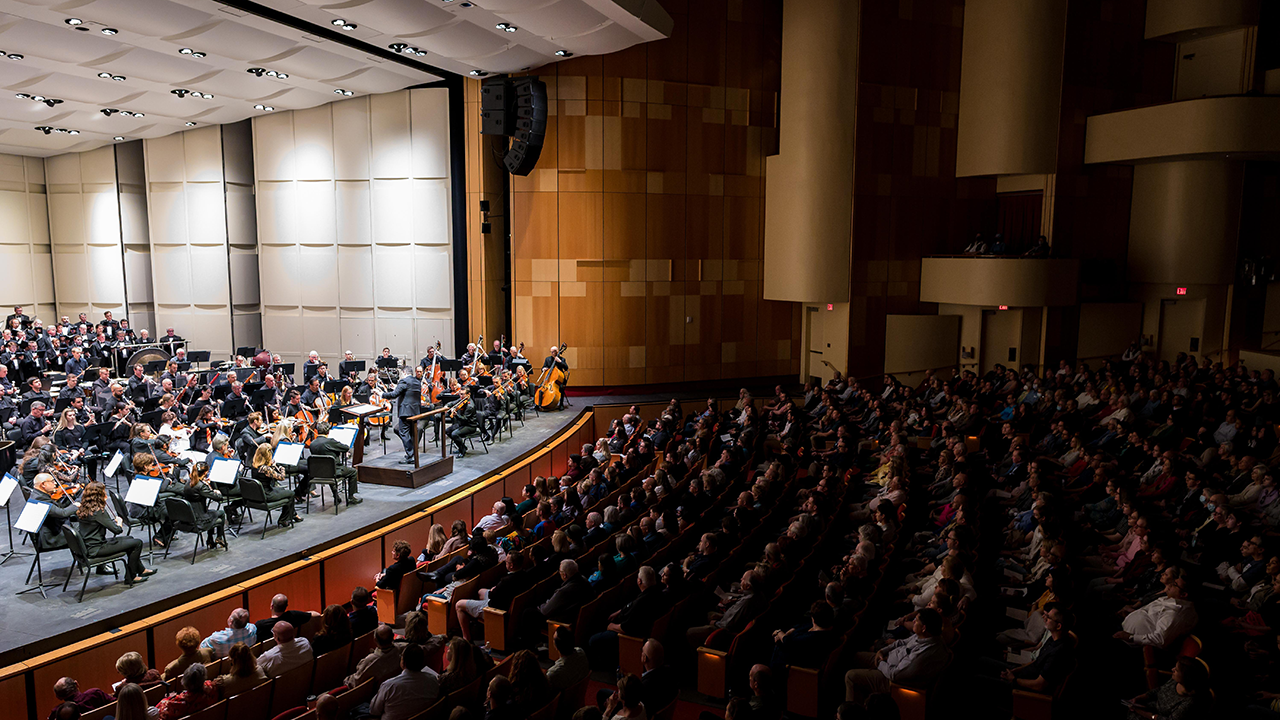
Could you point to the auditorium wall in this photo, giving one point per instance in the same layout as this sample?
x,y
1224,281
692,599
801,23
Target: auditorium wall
x,y
200,225
638,238
354,226
24,237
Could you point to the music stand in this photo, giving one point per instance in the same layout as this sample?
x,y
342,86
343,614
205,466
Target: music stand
x,y
198,356
308,370
346,367
335,386
522,362
184,366
247,351
62,403
261,397
7,485
220,392
152,418
451,365
150,404
243,374
154,366
236,408
286,369
389,363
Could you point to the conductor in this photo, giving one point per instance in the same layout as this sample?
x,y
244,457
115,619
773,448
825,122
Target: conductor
x,y
408,397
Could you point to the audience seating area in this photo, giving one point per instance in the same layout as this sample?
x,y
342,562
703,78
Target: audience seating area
x,y
1039,546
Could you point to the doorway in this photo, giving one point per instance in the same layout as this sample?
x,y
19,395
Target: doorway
x,y
815,344
1181,328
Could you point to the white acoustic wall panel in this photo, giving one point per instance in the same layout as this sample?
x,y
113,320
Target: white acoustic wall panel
x,y
354,227
85,233
206,214
244,278
242,220
171,275
167,213
202,154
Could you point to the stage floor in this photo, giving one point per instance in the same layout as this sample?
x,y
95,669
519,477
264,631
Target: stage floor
x,y
30,624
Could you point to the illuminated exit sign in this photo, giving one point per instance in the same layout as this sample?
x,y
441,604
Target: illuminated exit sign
x,y
1182,291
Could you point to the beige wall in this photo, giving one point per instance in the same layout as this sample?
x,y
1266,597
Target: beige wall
x,y
809,183
1106,329
1208,126
1261,361
1010,86
920,342
1184,222
831,337
1216,300
1020,282
1000,331
84,226
1271,317
24,238
1171,19
1216,65
970,331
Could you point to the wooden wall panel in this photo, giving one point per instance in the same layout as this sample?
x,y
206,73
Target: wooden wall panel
x,y
93,667
13,697
485,498
415,533
302,587
352,568
460,510
560,458
516,480
541,465
641,226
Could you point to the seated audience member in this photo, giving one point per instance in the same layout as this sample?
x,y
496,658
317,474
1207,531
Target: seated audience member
x,y
197,694
1185,695
132,705
414,689
404,563
529,687
67,690
289,652
364,614
494,520
188,641
914,661
334,632
238,630
1162,621
635,619
571,667
243,673
497,701
133,669
627,703
381,664
518,579
460,666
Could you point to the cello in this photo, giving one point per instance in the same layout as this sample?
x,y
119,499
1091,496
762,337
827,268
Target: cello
x,y
549,392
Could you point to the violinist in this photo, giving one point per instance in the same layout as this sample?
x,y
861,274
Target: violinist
x,y
408,397
272,477
200,492
96,521
250,437
145,463
204,429
61,509
168,404
37,459
346,398
464,421
465,379
69,436
143,441
179,434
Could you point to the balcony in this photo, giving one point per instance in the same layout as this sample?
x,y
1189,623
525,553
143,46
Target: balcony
x,y
1243,125
990,281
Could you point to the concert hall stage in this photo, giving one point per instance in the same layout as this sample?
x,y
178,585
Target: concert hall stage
x,y
30,624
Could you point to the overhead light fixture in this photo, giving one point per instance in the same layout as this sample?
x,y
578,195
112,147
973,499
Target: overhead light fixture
x,y
38,98
563,53
73,132
185,51
266,108
45,129
23,96
271,73
478,73
118,78
395,47
190,124
340,91
109,31
108,111
344,24
506,27
74,21
105,75
14,56
118,138
256,71
197,54
180,92
338,21
465,4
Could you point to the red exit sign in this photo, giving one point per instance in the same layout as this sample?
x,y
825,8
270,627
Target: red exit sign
x,y
831,306
1181,291
1003,307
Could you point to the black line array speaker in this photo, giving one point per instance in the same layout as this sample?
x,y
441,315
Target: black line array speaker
x,y
517,108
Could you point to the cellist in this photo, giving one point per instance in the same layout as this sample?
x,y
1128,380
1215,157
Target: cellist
x,y
554,360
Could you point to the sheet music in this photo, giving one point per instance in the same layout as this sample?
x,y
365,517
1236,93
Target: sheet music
x,y
287,453
7,486
32,517
194,456
143,490
114,464
224,471
362,408
345,434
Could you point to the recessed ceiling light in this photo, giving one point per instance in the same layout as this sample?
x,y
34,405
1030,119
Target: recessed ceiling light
x,y
506,27
350,26
191,124
465,4
340,91
271,73
45,129
197,54
15,56
256,71
118,138
564,53
109,31
38,98
283,76
73,132
138,114
396,47
185,51
105,75
338,21
23,96
180,92
478,73
74,21
118,78
125,113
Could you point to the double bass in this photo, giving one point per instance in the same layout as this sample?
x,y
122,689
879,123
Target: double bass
x,y
549,392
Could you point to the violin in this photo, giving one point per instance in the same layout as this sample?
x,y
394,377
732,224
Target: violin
x,y
57,491
453,411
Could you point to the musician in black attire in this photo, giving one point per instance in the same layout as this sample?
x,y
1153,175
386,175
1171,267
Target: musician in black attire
x,y
18,315
408,397
559,362
34,362
76,364
61,511
95,522
249,438
431,356
102,349
12,359
83,326
35,424
313,392
465,422
332,448
293,404
139,385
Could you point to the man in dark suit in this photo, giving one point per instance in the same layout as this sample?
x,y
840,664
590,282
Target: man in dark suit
x,y
249,439
555,360
18,315
408,397
328,446
563,604
636,619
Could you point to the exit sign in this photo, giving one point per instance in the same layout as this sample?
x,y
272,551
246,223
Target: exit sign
x,y
1003,307
831,306
1182,291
